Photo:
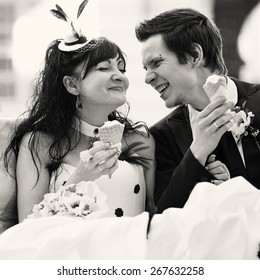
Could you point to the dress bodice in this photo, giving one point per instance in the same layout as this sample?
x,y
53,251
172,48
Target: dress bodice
x,y
125,190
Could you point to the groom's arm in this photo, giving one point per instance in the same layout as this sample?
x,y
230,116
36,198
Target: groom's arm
x,y
176,175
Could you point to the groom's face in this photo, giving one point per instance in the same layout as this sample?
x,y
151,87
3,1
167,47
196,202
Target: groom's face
x,y
172,80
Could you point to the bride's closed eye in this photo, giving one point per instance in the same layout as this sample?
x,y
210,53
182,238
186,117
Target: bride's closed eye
x,y
103,68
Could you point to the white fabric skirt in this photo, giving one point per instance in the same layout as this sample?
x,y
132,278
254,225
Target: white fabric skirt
x,y
217,222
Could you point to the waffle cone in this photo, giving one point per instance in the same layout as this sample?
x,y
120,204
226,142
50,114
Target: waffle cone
x,y
111,131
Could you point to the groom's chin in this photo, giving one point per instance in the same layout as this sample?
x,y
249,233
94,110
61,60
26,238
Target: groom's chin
x,y
171,104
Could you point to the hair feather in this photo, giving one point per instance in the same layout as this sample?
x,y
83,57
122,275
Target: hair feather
x,y
81,7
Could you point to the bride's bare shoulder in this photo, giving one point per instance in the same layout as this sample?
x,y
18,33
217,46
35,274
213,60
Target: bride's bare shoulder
x,y
38,142
40,138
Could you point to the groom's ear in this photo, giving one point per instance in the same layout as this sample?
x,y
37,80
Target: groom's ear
x,y
197,57
70,84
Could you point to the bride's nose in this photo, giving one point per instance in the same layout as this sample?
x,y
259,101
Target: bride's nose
x,y
121,77
117,75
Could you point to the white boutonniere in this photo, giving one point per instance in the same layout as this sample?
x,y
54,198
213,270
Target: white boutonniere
x,y
242,121
243,125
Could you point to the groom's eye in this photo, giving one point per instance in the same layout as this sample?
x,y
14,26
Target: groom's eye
x,y
157,62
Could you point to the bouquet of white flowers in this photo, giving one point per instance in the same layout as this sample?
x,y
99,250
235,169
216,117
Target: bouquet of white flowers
x,y
83,200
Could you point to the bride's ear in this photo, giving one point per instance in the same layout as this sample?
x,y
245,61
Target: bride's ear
x,y
70,84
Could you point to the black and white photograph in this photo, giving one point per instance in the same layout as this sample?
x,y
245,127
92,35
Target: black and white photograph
x,y
130,139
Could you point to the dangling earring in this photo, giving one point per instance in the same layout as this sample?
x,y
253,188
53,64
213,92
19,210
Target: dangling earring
x,y
79,104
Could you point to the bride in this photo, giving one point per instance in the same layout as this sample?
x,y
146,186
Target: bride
x,y
80,88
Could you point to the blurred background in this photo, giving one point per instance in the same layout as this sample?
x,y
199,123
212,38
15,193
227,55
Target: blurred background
x,y
27,27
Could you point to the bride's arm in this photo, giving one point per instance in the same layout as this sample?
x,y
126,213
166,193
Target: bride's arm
x,y
30,187
149,173
144,147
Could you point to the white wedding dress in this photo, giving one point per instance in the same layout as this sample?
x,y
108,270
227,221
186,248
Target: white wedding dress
x,y
217,222
125,190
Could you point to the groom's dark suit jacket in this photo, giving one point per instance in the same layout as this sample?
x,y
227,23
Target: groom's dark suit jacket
x,y
177,170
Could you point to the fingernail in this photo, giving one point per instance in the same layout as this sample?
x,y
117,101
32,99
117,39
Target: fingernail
x,y
213,156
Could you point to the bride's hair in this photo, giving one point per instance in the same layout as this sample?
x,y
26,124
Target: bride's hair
x,y
52,110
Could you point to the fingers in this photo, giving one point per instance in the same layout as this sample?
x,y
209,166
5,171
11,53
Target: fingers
x,y
216,167
108,171
216,115
222,124
222,176
211,159
105,157
99,146
108,162
100,160
218,170
216,108
217,182
223,120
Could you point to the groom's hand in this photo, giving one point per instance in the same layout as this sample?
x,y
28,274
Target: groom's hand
x,y
212,122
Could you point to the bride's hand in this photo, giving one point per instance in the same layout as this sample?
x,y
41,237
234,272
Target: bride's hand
x,y
103,160
218,170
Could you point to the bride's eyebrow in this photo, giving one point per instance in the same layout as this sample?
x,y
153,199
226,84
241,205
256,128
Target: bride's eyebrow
x,y
107,60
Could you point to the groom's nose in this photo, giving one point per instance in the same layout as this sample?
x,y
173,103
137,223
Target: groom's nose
x,y
149,76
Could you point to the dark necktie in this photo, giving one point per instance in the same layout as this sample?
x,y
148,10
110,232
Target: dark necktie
x,y
252,160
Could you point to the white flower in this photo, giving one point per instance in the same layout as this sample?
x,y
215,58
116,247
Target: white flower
x,y
77,200
241,121
85,156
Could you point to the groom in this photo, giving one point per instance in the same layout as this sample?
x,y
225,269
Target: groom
x,y
180,49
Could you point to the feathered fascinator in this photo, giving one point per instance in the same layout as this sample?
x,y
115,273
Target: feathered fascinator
x,y
75,40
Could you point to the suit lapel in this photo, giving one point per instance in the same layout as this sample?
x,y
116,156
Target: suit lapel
x,y
180,128
228,153
249,98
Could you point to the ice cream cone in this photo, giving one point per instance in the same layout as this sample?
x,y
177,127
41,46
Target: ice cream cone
x,y
111,131
215,85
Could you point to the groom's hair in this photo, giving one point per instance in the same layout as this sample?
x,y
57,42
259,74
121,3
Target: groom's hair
x,y
180,30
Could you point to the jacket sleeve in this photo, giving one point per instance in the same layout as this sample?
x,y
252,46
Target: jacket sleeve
x,y
176,175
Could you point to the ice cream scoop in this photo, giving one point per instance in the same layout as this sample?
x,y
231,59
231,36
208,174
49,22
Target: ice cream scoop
x,y
216,85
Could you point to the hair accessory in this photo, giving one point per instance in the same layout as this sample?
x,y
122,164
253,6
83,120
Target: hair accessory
x,y
76,39
79,104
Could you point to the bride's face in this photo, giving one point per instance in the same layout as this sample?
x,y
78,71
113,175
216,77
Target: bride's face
x,y
105,84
